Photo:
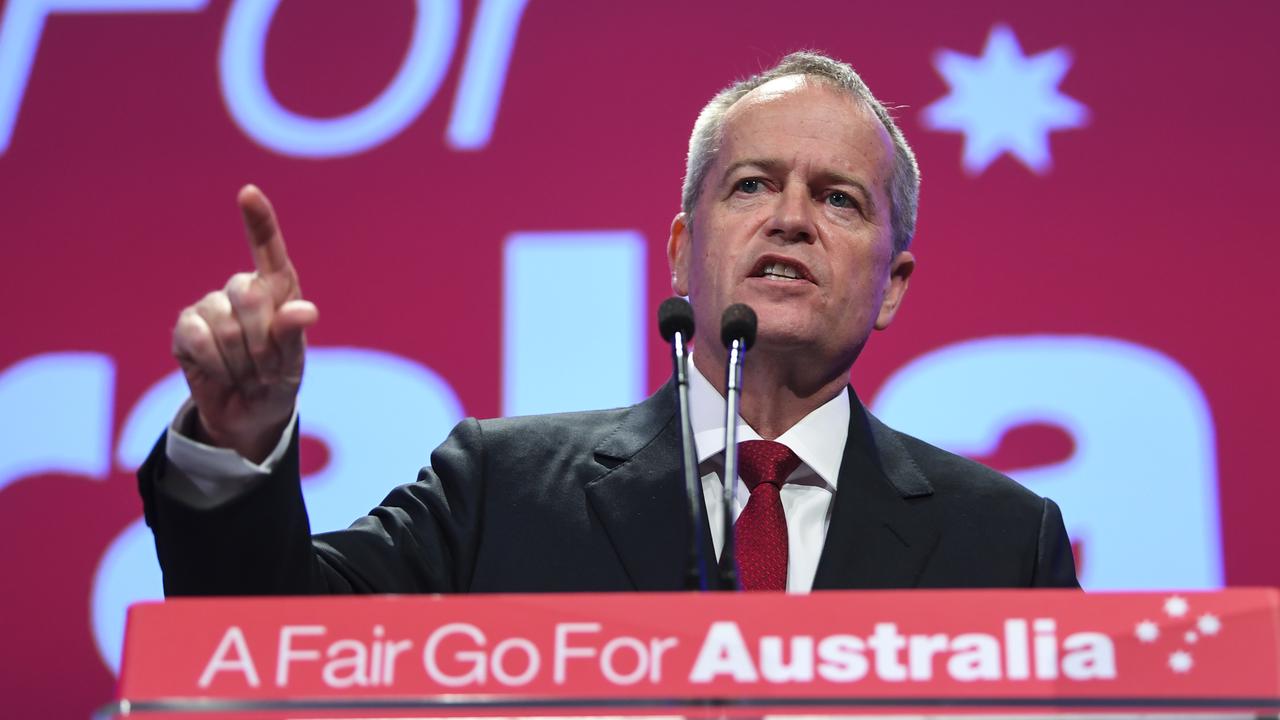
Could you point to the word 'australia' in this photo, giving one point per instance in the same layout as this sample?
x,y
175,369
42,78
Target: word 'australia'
x,y
894,657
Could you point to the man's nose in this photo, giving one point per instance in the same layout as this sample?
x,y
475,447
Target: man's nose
x,y
792,219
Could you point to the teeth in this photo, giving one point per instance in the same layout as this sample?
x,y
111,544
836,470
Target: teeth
x,y
780,270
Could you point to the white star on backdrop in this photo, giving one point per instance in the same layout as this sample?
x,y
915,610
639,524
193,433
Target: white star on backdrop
x,y
1180,661
1146,631
1004,101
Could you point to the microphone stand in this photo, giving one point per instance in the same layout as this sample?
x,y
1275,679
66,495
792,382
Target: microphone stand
x,y
675,324
738,333
696,570
733,391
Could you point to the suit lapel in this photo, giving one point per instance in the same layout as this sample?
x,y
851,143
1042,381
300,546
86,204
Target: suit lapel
x,y
882,526
639,494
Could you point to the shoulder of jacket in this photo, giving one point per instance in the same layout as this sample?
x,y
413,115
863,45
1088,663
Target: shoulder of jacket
x,y
956,475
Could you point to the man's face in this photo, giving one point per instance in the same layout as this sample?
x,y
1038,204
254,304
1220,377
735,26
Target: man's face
x,y
794,220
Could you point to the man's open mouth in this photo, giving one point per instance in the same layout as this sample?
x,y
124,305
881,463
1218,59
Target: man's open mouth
x,y
776,268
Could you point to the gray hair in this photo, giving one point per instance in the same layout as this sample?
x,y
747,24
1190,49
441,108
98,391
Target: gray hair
x,y
704,143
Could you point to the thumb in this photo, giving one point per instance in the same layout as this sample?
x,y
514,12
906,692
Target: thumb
x,y
288,330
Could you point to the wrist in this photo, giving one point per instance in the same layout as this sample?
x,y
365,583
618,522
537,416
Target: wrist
x,y
254,445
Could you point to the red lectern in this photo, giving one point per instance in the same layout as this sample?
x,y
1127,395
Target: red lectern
x,y
1043,652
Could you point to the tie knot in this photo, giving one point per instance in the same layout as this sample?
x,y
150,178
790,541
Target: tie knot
x,y
765,461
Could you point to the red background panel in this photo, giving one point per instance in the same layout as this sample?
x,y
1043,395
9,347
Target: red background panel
x,y
1154,224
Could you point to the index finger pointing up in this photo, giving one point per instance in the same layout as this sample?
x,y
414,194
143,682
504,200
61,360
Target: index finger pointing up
x,y
265,241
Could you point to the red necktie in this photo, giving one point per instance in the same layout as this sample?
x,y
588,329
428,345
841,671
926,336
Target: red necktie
x,y
760,534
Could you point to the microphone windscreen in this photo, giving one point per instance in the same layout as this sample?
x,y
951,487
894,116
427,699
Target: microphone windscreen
x,y
738,323
675,315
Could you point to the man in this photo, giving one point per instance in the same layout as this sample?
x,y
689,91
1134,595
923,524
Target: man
x,y
799,200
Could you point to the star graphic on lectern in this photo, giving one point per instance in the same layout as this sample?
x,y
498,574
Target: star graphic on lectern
x,y
1209,624
1176,606
1146,631
1004,101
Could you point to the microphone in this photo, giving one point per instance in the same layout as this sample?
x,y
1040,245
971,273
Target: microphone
x,y
738,333
675,324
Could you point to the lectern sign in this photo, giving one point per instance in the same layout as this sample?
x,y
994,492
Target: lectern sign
x,y
1023,649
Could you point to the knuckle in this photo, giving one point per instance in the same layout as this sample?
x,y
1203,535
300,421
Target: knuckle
x,y
229,334
191,338
247,297
212,303
186,317
238,286
216,310
190,326
201,346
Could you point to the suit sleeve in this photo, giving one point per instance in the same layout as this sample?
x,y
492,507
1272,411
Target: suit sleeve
x,y
422,538
1055,563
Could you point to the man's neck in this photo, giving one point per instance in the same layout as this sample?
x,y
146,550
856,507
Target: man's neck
x,y
775,395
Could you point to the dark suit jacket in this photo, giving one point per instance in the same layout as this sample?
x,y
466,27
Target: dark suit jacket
x,y
595,501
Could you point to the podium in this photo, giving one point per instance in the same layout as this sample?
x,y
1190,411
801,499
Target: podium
x,y
956,652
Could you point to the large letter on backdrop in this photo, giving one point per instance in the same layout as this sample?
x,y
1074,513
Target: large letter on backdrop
x,y
493,35
380,416
20,36
241,65
55,409
576,345
1141,488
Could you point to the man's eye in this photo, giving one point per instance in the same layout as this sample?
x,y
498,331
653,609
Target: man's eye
x,y
841,200
749,186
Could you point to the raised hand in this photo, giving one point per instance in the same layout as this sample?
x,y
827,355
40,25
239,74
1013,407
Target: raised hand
x,y
242,347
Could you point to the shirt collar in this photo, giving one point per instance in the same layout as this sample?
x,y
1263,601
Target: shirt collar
x,y
818,439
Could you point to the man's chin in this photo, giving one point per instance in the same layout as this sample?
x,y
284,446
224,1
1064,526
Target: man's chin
x,y
807,339
780,335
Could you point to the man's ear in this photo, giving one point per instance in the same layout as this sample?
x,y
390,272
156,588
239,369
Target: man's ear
x,y
678,250
900,269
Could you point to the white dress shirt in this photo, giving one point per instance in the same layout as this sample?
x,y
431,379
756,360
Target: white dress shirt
x,y
208,476
818,439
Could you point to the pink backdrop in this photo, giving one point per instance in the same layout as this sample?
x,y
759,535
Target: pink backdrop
x,y
1120,292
